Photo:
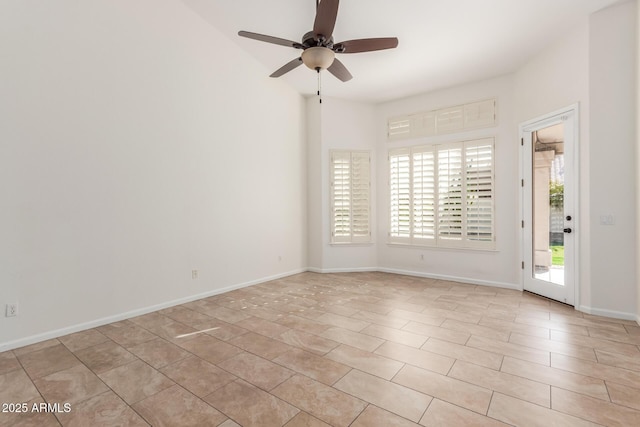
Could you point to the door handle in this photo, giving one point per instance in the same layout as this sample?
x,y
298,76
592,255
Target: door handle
x,y
567,230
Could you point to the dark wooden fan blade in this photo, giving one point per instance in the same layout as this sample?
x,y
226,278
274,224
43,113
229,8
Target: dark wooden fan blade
x,y
270,39
366,45
287,67
326,18
340,71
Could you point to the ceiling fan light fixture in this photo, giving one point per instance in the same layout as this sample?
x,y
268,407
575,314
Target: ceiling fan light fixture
x,y
318,57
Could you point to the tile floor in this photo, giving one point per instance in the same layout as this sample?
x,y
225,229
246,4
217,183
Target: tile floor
x,y
359,349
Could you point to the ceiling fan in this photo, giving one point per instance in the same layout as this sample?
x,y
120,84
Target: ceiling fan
x,y
318,47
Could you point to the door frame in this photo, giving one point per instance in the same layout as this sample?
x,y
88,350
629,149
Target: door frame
x,y
541,122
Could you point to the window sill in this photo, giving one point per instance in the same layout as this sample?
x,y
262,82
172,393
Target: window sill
x,y
441,248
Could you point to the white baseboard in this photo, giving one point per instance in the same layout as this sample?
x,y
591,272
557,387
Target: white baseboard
x,y
609,313
418,274
469,280
517,287
343,270
10,345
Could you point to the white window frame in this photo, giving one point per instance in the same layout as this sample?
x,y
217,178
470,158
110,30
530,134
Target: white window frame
x,y
350,196
424,180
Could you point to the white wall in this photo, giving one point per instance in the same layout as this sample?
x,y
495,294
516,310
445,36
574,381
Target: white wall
x,y
554,79
594,66
500,267
612,166
137,144
344,125
317,208
637,164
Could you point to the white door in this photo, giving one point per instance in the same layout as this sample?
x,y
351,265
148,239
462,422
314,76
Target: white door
x,y
549,204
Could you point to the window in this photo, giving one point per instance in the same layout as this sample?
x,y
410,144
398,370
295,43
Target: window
x,y
350,197
463,117
443,195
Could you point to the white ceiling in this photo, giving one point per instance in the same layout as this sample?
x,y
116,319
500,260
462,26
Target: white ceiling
x,y
441,42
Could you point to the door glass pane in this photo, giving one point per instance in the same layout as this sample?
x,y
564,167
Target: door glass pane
x,y
548,204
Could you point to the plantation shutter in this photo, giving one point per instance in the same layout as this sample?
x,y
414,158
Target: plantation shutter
x,y
443,195
424,124
398,128
360,203
340,196
424,196
400,195
350,197
450,191
479,191
473,115
480,114
450,119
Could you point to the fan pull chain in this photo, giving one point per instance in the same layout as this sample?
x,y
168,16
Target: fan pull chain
x,y
319,85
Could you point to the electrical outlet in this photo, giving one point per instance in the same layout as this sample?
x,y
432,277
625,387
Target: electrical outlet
x,y
194,274
12,310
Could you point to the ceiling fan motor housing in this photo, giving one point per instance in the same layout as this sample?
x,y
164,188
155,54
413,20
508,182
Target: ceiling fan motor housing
x,y
310,40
